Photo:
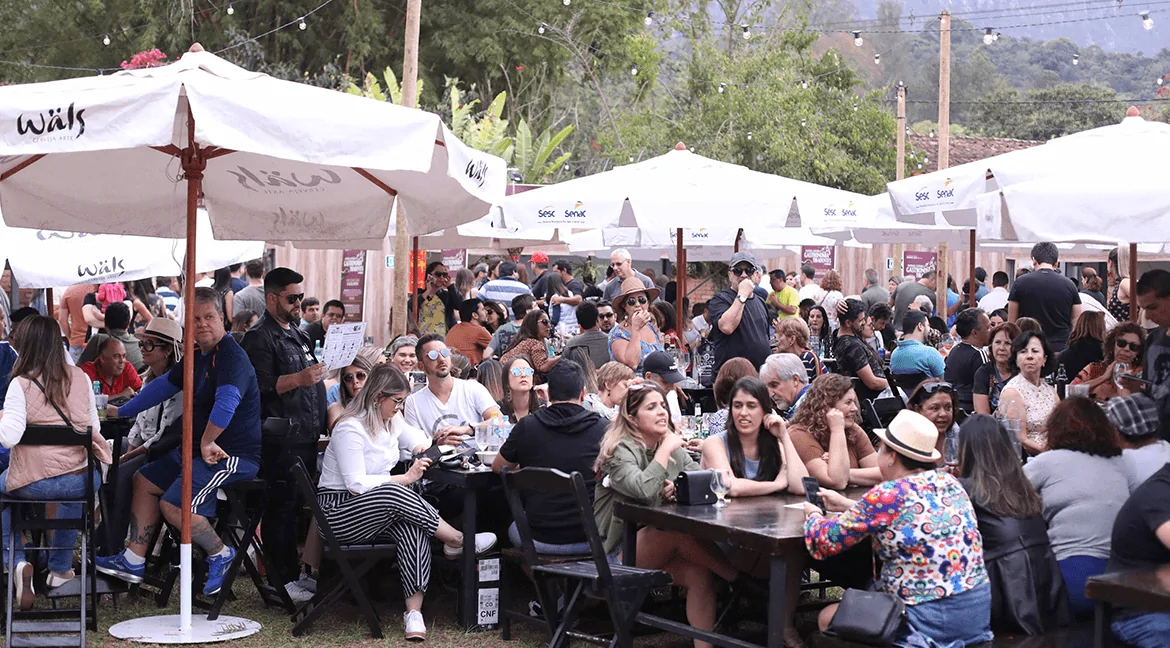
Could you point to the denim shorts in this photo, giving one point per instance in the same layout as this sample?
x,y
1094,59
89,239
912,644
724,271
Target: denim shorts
x,y
1144,630
950,622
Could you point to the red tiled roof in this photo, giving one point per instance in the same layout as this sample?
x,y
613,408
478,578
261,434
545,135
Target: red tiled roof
x,y
963,149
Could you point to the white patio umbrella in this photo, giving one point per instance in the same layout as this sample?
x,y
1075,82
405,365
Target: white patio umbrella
x,y
950,195
54,259
272,159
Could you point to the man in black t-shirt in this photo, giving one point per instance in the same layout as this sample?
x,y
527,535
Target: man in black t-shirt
x,y
739,317
564,436
965,359
1046,296
1153,297
1141,540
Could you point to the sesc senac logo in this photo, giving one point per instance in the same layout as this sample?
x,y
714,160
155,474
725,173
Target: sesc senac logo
x,y
547,212
578,211
849,210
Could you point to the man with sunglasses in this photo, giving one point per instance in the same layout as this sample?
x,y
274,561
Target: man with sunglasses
x,y
623,268
293,404
448,407
606,318
739,316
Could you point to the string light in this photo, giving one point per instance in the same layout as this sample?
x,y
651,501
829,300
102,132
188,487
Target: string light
x,y
855,106
857,40
722,86
749,136
631,159
988,37
634,70
996,36
877,59
231,10
747,32
932,133
1076,59
649,20
802,122
1159,80
302,24
1147,22
566,2
106,39
804,83
543,27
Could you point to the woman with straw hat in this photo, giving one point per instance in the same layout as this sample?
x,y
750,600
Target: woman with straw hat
x,y
635,336
924,530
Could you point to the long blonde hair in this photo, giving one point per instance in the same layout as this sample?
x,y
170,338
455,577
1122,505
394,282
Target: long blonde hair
x,y
366,407
623,426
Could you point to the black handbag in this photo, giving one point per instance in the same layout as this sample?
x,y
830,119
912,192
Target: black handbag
x,y
870,618
694,487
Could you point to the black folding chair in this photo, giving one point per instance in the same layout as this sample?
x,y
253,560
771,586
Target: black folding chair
x,y
66,625
345,555
624,589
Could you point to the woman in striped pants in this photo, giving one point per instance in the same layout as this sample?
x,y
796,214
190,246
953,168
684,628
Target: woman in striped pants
x,y
363,502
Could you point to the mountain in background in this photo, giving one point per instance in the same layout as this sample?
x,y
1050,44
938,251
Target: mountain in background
x,y
1109,24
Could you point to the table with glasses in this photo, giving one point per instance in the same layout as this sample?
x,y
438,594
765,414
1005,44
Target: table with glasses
x,y
771,525
114,429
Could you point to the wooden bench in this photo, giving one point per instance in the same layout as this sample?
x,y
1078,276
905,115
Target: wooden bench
x,y
1144,590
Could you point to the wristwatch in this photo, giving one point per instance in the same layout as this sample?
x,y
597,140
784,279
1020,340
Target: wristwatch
x,y
742,299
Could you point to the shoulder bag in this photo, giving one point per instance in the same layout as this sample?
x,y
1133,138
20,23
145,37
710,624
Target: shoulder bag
x,y
870,618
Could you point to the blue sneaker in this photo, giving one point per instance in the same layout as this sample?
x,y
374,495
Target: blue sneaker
x,y
118,567
217,568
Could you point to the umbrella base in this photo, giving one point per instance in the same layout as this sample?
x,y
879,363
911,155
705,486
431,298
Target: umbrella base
x,y
165,630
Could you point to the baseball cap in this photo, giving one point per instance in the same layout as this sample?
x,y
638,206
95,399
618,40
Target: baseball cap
x,y
662,364
1135,415
539,257
742,257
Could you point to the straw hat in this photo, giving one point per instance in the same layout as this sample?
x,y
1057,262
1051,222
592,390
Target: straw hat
x,y
629,287
167,331
911,435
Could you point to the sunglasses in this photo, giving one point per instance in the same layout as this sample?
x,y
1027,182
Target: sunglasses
x,y
741,272
440,275
1122,344
522,371
544,322
641,299
605,315
944,387
434,355
294,298
359,375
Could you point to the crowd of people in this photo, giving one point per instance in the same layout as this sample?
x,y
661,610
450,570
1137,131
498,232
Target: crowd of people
x,y
987,416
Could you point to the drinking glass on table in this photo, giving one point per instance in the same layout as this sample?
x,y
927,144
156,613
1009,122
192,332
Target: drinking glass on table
x,y
721,486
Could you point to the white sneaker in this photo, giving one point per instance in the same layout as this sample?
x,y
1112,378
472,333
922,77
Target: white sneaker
x,y
483,542
308,583
416,629
297,593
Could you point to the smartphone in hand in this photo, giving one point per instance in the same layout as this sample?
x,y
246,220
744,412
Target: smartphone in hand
x,y
812,492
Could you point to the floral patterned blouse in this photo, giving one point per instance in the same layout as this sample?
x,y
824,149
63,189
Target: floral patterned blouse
x,y
620,332
923,529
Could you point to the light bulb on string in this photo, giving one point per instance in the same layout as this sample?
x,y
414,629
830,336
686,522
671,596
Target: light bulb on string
x,y
877,59
543,27
919,166
106,39
749,136
996,36
855,107
1159,80
857,39
747,32
230,10
631,159
303,25
1076,59
566,2
722,86
926,160
634,70
1147,22
932,133
802,122
988,37
649,20
804,83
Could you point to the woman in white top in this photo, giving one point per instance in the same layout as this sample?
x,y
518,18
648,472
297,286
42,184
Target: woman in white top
x,y
559,296
363,501
1027,398
831,296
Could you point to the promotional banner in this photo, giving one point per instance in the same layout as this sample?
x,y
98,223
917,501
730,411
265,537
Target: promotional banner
x,y
917,263
353,283
821,258
454,260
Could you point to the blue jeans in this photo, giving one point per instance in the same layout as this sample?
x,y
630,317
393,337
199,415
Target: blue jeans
x,y
1144,630
951,622
60,487
1076,570
575,549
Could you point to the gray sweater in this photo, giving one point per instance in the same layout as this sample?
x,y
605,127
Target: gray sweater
x,y
1082,494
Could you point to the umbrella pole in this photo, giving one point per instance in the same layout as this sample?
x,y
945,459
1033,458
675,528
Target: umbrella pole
x,y
971,270
413,282
1133,307
679,286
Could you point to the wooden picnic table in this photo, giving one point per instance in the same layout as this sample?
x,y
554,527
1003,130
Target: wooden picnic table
x,y
771,525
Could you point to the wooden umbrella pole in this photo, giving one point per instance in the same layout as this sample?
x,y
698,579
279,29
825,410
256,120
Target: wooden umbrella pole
x,y
194,163
679,271
1134,316
413,290
971,268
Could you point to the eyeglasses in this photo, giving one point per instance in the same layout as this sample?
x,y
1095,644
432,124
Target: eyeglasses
x,y
605,315
397,401
522,371
434,355
1122,344
741,272
294,298
640,299
359,375
150,345
944,387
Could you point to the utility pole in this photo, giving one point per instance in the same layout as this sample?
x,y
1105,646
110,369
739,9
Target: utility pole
x,y
900,171
403,263
944,144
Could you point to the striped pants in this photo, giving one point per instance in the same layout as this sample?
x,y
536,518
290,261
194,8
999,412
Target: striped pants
x,y
390,511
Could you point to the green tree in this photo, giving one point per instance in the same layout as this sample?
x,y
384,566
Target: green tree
x,y
1058,110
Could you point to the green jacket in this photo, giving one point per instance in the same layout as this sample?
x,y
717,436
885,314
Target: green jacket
x,y
632,475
